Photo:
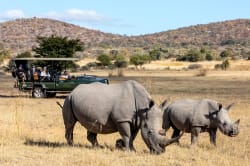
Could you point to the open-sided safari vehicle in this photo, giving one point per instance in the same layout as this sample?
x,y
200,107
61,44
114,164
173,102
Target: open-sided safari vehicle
x,y
49,85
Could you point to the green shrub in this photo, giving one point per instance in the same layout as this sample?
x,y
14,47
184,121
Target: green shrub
x,y
225,64
191,56
209,57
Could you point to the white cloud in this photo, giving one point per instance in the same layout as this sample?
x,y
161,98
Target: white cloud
x,y
84,15
89,17
12,14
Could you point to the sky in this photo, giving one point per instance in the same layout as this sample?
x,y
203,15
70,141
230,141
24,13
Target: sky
x,y
128,17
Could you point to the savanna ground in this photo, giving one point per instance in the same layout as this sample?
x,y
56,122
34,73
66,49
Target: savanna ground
x,y
32,130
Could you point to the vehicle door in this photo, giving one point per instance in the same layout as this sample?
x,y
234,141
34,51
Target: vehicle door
x,y
66,85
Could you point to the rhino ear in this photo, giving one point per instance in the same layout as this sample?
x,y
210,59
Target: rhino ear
x,y
229,106
212,115
164,105
151,103
219,106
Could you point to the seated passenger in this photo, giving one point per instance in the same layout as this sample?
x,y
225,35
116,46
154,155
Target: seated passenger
x,y
64,76
35,74
45,74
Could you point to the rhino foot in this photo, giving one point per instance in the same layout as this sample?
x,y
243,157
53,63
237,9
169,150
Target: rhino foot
x,y
120,144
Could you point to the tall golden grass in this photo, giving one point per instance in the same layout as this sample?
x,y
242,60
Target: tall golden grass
x,y
32,130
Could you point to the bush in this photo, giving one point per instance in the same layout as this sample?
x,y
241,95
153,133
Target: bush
x,y
225,64
120,61
209,57
194,66
139,60
191,56
104,59
225,54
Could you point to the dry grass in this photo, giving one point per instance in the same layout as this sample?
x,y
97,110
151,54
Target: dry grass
x,y
32,130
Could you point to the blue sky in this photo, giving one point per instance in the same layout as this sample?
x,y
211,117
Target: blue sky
x,y
128,17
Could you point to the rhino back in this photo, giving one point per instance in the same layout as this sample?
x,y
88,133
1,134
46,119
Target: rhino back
x,y
101,103
189,113
181,113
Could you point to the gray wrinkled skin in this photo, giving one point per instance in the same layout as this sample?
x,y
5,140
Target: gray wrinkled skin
x,y
104,109
196,116
150,125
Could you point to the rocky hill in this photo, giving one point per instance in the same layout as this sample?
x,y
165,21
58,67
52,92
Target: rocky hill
x,y
20,35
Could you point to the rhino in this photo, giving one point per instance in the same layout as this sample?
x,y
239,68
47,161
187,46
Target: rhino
x,y
196,116
125,108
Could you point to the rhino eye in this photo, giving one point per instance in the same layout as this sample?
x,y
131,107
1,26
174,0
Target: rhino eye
x,y
224,124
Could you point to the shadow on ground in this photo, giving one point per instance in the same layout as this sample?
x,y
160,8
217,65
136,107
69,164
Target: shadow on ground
x,y
45,143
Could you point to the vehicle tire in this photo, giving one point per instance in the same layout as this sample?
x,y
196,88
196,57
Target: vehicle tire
x,y
50,94
38,92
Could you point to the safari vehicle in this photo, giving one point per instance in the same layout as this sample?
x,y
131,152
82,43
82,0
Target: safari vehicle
x,y
41,88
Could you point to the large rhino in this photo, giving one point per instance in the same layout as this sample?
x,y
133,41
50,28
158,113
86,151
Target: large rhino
x,y
124,107
196,116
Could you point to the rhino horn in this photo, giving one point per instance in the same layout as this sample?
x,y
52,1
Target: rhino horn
x,y
165,142
229,106
237,122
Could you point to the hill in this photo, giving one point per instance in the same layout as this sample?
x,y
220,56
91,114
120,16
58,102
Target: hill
x,y
20,35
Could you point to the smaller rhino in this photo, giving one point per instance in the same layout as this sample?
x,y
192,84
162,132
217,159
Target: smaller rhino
x,y
196,116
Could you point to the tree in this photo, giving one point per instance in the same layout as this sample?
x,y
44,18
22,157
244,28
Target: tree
x,y
138,60
25,54
155,54
120,61
225,64
104,59
134,59
58,47
191,56
209,57
225,54
4,54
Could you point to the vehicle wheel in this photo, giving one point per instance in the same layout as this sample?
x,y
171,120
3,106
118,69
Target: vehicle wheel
x,y
38,92
50,94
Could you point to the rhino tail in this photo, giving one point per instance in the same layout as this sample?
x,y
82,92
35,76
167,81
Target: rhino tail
x,y
60,105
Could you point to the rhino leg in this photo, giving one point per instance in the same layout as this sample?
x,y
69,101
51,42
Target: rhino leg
x,y
120,143
134,133
212,134
125,132
69,123
195,131
69,132
92,138
176,133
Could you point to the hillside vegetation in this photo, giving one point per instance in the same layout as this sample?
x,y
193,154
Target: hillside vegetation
x,y
20,35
